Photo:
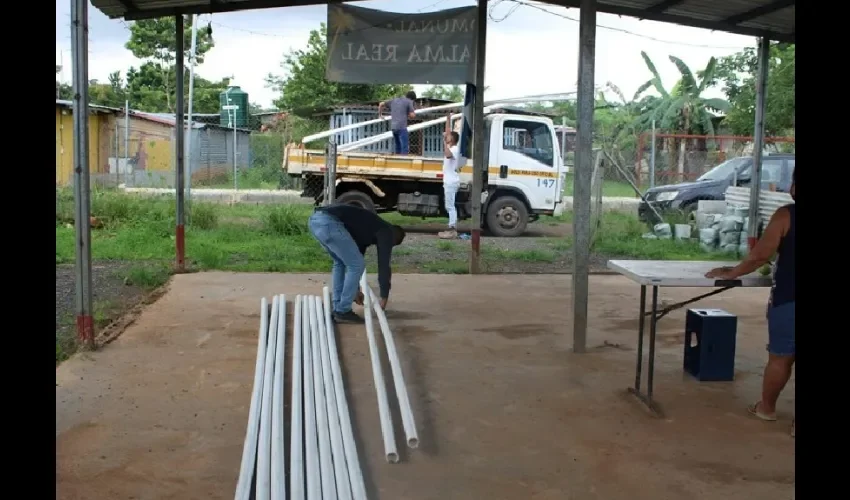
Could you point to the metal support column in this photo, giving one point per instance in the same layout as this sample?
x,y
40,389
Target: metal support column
x,y
179,146
82,186
479,142
583,171
758,139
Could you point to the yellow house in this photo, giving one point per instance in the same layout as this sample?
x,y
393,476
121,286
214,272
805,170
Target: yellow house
x,y
100,123
113,155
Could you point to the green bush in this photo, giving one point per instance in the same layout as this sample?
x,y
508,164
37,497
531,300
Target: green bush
x,y
286,220
204,216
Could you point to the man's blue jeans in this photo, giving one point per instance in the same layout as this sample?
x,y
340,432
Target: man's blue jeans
x,y
348,264
401,141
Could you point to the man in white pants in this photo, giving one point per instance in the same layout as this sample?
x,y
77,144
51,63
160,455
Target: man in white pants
x,y
452,163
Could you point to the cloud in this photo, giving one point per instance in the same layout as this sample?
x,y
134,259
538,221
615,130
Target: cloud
x,y
530,52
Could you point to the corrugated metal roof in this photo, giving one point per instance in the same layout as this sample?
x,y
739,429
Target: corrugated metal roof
x,y
774,19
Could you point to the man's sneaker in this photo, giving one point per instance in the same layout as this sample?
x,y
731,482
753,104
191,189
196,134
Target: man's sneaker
x,y
347,317
447,235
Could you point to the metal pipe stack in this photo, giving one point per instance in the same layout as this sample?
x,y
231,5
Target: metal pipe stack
x,y
323,463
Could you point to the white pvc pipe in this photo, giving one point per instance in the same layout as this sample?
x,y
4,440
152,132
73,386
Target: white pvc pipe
x,y
355,474
249,449
398,375
278,463
311,443
387,135
507,100
264,448
328,133
296,443
325,456
380,387
340,471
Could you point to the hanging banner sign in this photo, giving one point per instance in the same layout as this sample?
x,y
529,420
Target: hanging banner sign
x,y
373,46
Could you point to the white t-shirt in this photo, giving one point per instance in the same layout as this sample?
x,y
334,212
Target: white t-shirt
x,y
452,166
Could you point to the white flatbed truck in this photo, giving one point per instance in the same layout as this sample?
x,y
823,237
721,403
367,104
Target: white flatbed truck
x,y
525,177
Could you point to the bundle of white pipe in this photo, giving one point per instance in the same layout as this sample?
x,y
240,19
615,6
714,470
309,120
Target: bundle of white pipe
x,y
323,461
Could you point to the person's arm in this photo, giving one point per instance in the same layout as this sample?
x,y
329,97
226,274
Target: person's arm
x,y
410,110
381,109
448,125
384,249
765,248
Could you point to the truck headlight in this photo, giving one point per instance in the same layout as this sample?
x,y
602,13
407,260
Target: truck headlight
x,y
667,196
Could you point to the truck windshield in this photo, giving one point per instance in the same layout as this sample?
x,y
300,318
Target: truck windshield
x,y
724,170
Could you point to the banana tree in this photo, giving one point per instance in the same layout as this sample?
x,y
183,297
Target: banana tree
x,y
683,108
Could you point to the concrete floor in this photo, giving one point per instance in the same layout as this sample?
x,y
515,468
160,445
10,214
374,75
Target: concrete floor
x,y
504,410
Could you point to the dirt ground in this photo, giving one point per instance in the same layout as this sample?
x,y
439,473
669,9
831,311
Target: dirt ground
x,y
503,408
112,294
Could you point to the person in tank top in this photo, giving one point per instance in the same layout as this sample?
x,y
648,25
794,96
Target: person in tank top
x,y
778,239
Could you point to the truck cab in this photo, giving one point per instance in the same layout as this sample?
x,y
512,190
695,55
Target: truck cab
x,y
524,177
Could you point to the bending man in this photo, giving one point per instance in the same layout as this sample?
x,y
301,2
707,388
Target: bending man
x,y
345,232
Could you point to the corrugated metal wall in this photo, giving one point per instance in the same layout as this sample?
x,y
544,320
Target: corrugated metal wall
x,y
769,201
214,157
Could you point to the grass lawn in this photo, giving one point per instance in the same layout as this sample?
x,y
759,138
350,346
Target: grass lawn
x,y
274,238
609,188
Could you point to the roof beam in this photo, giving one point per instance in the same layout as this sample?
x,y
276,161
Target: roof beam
x,y
128,4
764,10
664,5
683,20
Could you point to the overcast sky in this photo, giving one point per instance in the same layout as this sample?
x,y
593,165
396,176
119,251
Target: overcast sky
x,y
529,52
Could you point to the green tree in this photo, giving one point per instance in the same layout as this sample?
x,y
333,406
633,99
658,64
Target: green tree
x,y
153,40
453,93
63,90
147,89
304,88
737,74
683,109
112,94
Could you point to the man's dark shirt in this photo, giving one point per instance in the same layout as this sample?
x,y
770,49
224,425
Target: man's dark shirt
x,y
366,228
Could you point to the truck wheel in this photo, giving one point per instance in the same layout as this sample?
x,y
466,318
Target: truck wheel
x,y
356,198
507,217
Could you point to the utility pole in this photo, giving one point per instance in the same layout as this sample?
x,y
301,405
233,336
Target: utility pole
x,y
188,154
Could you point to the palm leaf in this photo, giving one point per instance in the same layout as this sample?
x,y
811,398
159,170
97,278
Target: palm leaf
x,y
689,83
708,74
642,89
656,78
716,104
672,113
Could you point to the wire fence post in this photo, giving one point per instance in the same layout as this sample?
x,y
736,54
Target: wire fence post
x,y
652,159
117,157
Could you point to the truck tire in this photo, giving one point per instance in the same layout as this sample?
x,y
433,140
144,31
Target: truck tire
x,y
357,198
507,217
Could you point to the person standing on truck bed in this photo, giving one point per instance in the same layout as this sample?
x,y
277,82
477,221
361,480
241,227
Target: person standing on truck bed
x,y
345,231
452,164
401,109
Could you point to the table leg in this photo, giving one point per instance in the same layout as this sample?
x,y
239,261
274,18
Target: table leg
x,y
647,398
641,322
652,324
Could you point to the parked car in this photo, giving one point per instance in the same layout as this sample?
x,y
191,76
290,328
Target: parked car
x,y
776,170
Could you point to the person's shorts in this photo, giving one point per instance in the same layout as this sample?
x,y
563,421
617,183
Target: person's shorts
x,y
780,330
